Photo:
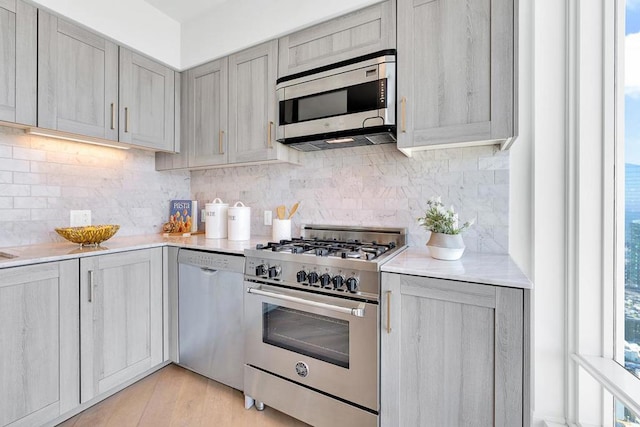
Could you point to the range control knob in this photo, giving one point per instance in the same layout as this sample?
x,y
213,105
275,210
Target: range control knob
x,y
352,284
338,282
313,277
261,270
301,276
274,272
325,280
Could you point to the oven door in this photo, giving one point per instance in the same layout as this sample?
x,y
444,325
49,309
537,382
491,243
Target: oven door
x,y
326,343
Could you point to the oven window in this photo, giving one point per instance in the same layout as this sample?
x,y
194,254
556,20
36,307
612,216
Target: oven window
x,y
313,335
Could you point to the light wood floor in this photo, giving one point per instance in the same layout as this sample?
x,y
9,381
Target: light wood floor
x,y
174,396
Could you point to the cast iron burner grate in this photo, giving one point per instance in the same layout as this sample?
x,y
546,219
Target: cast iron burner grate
x,y
353,249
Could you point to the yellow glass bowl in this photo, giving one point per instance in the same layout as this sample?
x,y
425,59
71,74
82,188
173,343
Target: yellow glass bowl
x,y
88,235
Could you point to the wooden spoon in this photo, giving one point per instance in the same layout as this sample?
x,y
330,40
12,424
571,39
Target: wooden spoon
x,y
293,210
280,211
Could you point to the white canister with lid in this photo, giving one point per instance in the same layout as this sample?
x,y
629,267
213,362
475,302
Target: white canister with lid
x,y
239,222
215,223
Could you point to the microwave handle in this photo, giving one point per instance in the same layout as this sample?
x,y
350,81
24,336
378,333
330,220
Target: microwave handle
x,y
357,312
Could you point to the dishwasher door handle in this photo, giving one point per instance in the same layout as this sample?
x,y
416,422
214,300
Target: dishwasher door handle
x,y
357,311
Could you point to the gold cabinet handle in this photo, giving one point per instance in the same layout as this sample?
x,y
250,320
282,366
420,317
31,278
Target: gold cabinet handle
x,y
220,139
113,116
269,126
403,115
388,312
126,119
90,285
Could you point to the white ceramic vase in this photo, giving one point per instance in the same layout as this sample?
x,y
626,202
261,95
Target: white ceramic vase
x,y
448,247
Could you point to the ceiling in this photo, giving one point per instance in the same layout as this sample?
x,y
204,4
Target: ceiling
x,y
184,10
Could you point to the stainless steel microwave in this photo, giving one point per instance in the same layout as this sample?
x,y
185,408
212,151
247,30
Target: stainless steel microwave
x,y
347,104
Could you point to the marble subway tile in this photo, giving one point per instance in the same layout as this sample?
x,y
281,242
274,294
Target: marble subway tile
x,y
30,202
474,177
11,215
6,177
29,154
6,152
6,202
14,165
493,163
15,190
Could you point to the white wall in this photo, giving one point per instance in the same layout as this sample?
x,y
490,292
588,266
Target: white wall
x,y
227,28
234,25
134,23
556,199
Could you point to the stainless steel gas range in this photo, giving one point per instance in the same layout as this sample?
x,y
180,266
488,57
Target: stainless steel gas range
x,y
312,323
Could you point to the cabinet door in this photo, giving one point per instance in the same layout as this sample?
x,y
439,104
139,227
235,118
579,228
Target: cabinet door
x,y
77,79
359,33
252,101
39,341
207,113
147,102
120,317
452,353
455,71
171,161
18,62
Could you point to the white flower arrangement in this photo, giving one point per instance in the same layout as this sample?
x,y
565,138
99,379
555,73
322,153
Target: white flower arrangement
x,y
438,219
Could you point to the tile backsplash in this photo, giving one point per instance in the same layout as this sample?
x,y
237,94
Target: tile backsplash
x,y
374,186
41,179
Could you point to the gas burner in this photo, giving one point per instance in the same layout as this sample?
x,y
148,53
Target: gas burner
x,y
332,247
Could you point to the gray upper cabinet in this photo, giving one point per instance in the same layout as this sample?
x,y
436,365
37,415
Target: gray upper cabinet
x,y
39,345
170,161
77,79
359,33
89,86
147,102
207,114
18,62
455,72
204,119
228,113
252,102
452,353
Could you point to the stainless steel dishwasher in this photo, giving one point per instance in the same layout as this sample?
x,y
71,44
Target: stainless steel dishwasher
x,y
210,315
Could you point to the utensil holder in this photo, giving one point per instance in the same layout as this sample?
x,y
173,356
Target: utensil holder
x,y
281,229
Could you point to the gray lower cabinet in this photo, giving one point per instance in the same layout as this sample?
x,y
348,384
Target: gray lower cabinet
x,y
121,318
39,351
77,79
18,62
456,79
147,102
452,353
362,32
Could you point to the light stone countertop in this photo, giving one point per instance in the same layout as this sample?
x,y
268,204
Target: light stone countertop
x,y
48,252
473,267
489,269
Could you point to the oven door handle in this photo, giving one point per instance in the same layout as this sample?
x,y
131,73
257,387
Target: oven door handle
x,y
357,311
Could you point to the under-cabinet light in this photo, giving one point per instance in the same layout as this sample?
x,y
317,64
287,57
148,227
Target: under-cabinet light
x,y
338,140
54,134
